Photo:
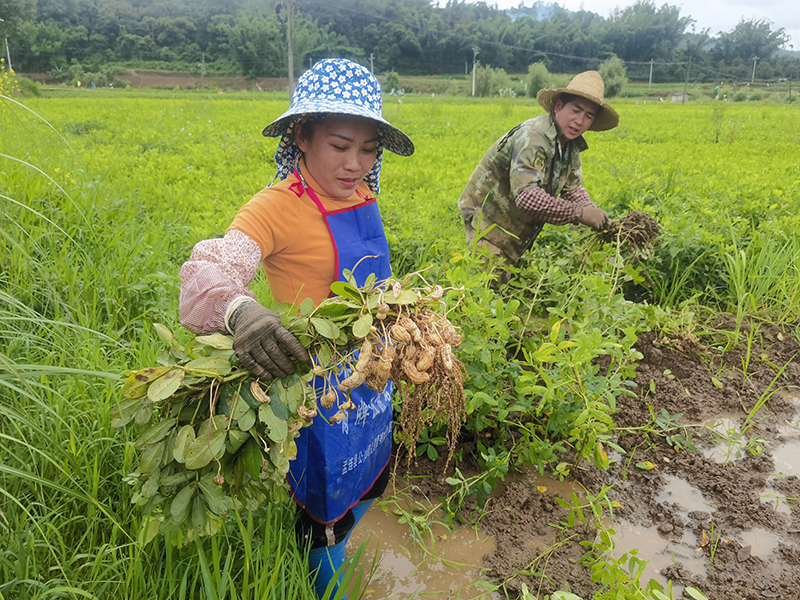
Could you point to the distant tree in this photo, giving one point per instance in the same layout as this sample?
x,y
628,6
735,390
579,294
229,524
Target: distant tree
x,y
642,32
14,14
614,76
748,39
538,78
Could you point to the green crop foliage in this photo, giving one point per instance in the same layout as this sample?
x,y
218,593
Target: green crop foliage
x,y
94,226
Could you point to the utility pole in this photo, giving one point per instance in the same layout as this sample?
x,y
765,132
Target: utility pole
x,y
371,64
310,64
475,53
289,41
649,85
686,83
752,79
790,90
8,54
202,71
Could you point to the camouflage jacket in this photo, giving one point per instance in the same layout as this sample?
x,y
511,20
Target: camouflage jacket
x,y
529,155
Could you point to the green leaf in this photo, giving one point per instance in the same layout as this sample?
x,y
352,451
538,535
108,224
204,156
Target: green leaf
x,y
209,443
564,596
346,290
695,593
276,402
236,439
216,340
137,384
325,328
324,355
306,307
212,365
217,502
362,326
198,513
432,453
185,437
167,337
252,457
143,415
151,458
646,465
248,420
181,503
337,307
405,297
348,275
124,412
239,408
717,383
163,387
156,433
150,487
294,393
149,530
277,427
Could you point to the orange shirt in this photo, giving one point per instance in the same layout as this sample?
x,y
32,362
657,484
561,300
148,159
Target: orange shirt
x,y
296,248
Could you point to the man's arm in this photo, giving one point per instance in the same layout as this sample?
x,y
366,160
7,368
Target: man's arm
x,y
572,207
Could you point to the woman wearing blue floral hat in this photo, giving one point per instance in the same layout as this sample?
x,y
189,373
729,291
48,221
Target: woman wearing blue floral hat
x,y
319,220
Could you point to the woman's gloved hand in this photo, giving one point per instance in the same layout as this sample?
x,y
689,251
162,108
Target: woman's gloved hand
x,y
262,344
593,217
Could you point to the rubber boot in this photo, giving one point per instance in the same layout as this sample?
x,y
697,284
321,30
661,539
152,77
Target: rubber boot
x,y
324,562
359,510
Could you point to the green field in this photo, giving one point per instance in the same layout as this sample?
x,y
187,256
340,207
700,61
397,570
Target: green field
x,y
100,208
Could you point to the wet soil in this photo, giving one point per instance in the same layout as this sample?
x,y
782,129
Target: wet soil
x,y
723,517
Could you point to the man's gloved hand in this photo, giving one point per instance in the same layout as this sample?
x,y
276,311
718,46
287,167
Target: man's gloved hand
x,y
593,217
262,344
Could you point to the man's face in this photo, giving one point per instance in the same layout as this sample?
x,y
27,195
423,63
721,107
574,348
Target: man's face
x,y
575,117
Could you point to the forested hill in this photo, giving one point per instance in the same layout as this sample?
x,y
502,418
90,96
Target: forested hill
x,y
408,36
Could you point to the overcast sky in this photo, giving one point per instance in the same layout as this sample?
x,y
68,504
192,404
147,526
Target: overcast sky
x,y
716,15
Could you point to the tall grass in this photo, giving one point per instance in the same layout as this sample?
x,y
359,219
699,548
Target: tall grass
x,y
764,278
82,274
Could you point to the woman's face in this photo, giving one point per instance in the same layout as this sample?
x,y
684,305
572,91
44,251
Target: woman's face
x,y
339,152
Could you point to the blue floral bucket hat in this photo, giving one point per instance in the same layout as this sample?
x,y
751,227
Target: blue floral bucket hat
x,y
336,86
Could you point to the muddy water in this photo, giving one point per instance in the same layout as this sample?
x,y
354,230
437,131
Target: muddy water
x,y
730,444
684,494
451,563
449,568
660,551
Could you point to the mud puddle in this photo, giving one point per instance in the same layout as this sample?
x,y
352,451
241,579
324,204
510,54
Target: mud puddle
x,y
724,519
448,567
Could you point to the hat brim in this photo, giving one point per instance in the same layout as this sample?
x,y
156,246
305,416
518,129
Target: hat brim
x,y
605,120
392,138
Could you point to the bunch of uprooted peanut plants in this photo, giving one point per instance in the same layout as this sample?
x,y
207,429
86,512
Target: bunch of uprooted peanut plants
x,y
212,438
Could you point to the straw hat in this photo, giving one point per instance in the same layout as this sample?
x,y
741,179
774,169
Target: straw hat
x,y
589,85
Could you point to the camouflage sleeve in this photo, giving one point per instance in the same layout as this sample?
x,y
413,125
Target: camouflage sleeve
x,y
528,160
575,177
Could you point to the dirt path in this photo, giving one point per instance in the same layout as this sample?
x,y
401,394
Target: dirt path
x,y
716,518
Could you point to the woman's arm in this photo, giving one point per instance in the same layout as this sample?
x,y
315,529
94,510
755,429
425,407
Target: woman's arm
x,y
214,281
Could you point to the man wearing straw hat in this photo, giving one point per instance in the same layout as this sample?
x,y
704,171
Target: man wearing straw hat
x,y
532,175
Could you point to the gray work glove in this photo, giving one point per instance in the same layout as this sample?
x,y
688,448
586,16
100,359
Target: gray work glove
x,y
262,344
593,217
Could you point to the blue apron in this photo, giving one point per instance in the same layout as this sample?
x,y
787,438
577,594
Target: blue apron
x,y
337,464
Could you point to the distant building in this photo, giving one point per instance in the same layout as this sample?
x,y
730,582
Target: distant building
x,y
682,97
